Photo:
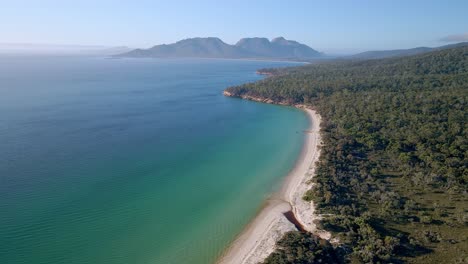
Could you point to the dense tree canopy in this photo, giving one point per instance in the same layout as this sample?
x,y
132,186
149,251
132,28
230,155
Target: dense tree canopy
x,y
393,173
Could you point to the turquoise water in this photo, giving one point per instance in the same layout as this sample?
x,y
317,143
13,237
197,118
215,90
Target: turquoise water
x,y
134,161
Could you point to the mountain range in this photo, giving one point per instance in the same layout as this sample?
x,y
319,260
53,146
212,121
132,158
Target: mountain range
x,y
262,48
380,54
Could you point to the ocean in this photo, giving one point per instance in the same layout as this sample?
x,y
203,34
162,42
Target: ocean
x,y
134,160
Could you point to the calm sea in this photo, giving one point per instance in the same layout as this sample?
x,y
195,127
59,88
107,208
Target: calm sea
x,y
134,160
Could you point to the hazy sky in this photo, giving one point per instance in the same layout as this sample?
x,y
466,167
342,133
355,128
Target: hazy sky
x,y
329,26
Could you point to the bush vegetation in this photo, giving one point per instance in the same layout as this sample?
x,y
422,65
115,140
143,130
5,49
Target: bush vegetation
x,y
392,177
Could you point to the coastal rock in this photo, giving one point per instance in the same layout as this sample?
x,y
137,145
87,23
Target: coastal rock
x,y
266,73
256,99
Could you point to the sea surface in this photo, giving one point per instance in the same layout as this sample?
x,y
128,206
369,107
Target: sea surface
x,y
134,160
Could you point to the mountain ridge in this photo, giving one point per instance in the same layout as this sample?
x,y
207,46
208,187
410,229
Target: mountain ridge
x,y
212,47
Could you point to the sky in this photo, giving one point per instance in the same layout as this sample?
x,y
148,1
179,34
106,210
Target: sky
x,y
329,26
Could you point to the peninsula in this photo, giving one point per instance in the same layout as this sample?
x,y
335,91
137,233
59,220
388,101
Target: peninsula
x,y
390,182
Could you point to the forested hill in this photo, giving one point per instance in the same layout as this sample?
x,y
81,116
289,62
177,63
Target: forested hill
x,y
380,54
392,177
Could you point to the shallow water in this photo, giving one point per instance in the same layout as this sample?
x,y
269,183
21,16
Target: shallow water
x,y
134,160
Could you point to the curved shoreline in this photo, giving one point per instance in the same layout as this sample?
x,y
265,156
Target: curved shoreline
x,y
259,238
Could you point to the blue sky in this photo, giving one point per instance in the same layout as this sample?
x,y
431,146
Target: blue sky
x,y
329,26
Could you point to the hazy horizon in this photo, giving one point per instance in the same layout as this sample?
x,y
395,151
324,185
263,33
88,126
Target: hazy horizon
x,y
331,27
47,48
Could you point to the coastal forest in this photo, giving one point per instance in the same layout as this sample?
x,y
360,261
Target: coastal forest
x,y
391,182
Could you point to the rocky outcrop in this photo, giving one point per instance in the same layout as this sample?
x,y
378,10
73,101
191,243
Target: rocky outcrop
x,y
262,99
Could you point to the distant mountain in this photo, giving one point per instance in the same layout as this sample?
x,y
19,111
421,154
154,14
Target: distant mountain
x,y
379,54
278,48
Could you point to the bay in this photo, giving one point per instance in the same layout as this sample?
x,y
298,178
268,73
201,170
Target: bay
x,y
134,160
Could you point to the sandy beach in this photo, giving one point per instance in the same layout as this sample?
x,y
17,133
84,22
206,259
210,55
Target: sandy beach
x,y
258,239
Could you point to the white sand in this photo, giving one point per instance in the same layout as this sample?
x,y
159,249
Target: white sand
x,y
258,239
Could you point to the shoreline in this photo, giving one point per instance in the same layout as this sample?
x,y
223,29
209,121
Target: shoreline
x,y
216,58
258,239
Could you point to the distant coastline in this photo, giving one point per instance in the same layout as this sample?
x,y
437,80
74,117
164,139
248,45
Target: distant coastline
x,y
295,61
